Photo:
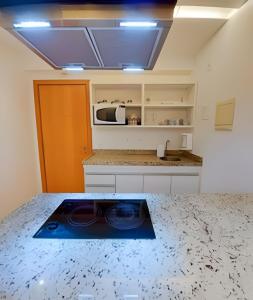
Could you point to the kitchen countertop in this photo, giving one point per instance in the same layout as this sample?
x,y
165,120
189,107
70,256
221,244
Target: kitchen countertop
x,y
141,158
203,250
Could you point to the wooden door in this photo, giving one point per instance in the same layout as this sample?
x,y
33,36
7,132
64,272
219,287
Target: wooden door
x,y
64,133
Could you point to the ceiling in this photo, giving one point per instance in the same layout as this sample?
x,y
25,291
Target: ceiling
x,y
92,37
6,3
185,40
218,3
213,3
188,36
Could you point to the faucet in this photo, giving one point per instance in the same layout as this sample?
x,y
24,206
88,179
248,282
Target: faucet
x,y
166,145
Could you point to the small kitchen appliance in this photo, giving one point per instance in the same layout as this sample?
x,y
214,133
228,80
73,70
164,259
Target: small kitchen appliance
x,y
186,141
109,114
99,219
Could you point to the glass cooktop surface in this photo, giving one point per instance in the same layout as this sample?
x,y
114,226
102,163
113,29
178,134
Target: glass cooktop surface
x,y
99,219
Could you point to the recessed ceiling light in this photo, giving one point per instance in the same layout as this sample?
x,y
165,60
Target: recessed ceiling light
x,y
132,69
74,68
203,12
32,24
138,24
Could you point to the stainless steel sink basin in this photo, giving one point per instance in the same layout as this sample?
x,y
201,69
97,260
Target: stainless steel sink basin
x,y
171,158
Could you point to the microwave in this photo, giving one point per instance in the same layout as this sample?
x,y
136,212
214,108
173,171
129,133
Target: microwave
x,y
106,114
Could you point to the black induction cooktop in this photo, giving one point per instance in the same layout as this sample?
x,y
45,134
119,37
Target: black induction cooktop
x,y
99,219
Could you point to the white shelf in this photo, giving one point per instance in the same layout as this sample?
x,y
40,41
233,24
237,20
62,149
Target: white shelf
x,y
168,126
180,98
160,86
126,104
132,105
118,126
169,105
151,106
145,126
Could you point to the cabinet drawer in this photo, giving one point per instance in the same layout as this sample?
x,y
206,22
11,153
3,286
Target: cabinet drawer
x,y
157,184
100,189
99,180
184,184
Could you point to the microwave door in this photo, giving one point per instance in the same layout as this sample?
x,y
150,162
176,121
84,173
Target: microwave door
x,y
106,115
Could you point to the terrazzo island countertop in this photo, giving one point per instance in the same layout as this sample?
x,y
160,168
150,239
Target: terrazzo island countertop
x,y
141,158
203,250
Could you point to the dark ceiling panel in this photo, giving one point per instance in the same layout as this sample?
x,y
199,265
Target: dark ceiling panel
x,y
132,47
62,46
6,3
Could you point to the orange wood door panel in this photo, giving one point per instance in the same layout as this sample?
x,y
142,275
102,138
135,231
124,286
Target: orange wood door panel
x,y
65,134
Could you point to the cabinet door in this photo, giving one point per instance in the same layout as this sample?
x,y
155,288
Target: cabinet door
x,y
157,183
99,179
129,183
185,184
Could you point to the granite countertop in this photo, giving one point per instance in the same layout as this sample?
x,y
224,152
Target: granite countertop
x,y
141,158
203,250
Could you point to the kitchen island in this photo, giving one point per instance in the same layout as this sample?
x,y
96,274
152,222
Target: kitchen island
x,y
203,250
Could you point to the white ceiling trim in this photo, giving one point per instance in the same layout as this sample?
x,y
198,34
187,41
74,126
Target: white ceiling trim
x,y
213,3
203,12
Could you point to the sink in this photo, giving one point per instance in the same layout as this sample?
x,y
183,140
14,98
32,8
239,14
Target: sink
x,y
171,158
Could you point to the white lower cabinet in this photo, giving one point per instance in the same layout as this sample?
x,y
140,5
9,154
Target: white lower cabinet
x,y
100,189
99,183
129,183
99,180
139,179
156,184
184,184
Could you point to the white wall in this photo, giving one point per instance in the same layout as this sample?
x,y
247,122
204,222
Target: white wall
x,y
18,171
140,138
224,69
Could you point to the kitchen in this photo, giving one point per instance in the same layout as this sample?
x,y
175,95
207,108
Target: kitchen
x,y
198,202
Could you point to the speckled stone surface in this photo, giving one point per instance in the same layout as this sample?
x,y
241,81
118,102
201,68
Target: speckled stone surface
x,y
140,158
203,250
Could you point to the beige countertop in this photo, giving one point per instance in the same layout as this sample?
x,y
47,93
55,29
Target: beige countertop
x,y
141,158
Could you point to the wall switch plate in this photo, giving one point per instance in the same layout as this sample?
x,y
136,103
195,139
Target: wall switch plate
x,y
204,112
